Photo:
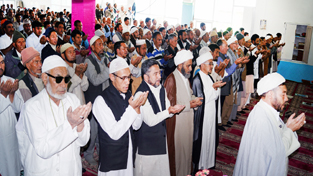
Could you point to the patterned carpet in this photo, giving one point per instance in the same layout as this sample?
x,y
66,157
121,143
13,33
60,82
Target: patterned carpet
x,y
300,162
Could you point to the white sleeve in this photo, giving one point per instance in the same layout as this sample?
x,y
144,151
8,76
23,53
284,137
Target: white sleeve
x,y
84,83
46,142
18,102
135,71
84,135
152,119
105,117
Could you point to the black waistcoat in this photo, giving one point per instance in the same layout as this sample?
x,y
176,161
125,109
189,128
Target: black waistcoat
x,y
114,153
30,84
152,140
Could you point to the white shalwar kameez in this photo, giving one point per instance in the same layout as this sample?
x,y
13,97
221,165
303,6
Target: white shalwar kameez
x,y
47,142
116,129
10,163
153,165
207,155
266,143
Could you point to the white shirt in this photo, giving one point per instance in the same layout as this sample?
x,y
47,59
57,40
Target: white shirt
x,y
116,129
5,41
10,159
135,71
148,164
47,142
34,41
78,85
178,46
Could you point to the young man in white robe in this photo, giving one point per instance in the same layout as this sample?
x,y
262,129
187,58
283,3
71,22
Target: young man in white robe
x,y
152,154
53,125
117,114
205,116
267,141
11,102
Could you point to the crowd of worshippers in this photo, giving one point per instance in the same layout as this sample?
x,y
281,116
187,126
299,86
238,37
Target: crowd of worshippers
x,y
150,99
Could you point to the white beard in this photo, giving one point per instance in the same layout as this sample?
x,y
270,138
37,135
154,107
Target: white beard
x,y
49,90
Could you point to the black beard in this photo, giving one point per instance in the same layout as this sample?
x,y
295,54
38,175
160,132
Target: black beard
x,y
68,60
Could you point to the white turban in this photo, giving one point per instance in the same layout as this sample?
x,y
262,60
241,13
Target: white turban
x,y
177,25
52,62
140,42
134,29
99,33
182,56
145,31
203,50
93,39
269,82
247,38
203,33
268,37
169,27
203,58
125,30
118,64
231,40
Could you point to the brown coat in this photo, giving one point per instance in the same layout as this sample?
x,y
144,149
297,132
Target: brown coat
x,y
180,129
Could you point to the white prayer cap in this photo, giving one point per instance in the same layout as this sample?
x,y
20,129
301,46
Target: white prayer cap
x,y
169,27
203,50
140,42
65,46
231,40
125,30
247,38
93,39
99,33
203,33
182,56
145,31
213,33
269,82
118,64
52,62
268,37
134,29
177,25
203,58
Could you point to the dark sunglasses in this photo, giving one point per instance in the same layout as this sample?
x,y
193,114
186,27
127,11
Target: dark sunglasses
x,y
58,79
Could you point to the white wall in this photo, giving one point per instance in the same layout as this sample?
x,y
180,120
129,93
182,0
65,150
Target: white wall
x,y
277,12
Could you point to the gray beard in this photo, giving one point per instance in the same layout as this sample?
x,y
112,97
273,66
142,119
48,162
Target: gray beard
x,y
186,75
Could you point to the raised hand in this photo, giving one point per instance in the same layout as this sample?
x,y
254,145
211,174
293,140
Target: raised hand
x,y
14,86
176,109
196,102
43,39
6,87
78,116
167,57
218,84
296,123
139,101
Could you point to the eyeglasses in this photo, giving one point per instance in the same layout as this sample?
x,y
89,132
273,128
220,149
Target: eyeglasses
x,y
58,79
124,77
